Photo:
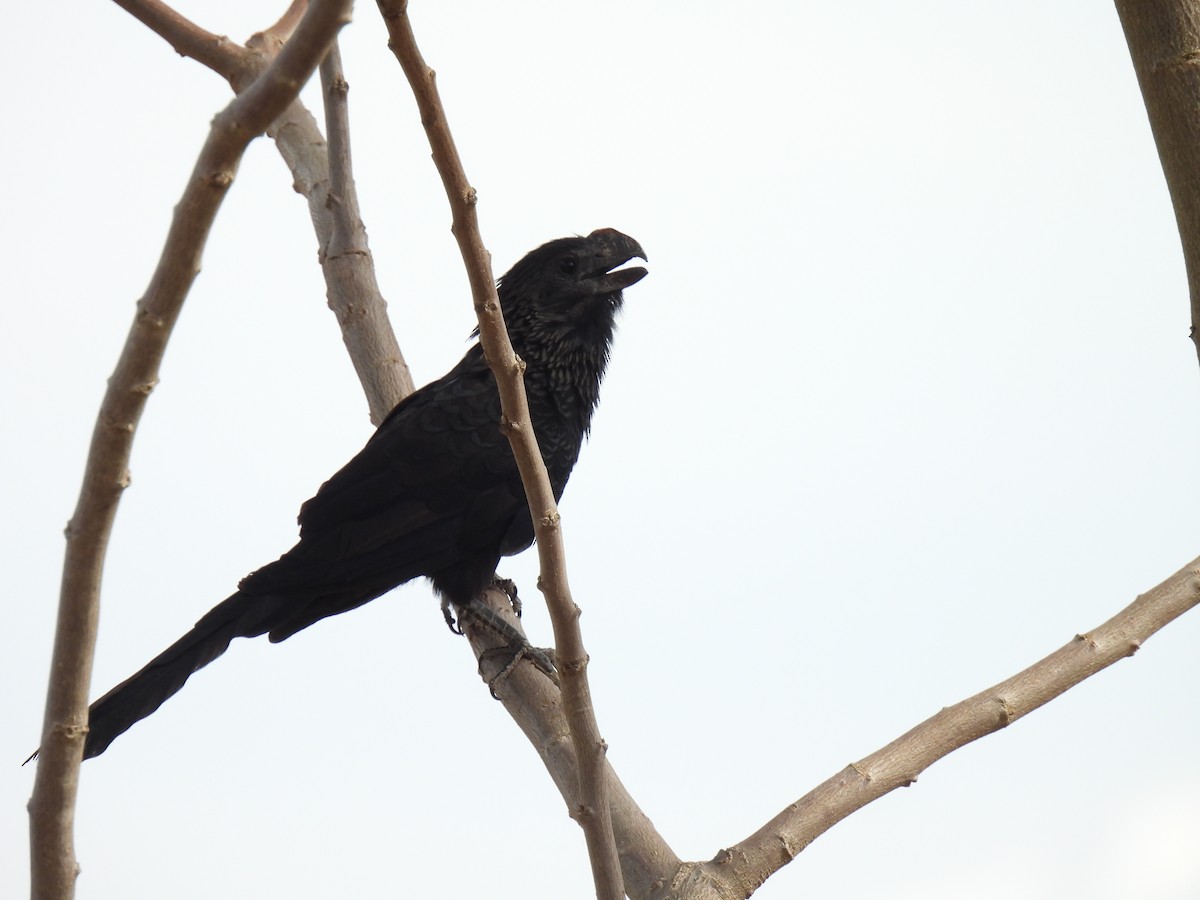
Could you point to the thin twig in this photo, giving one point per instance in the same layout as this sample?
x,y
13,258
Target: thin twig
x,y
278,33
593,812
350,284
52,806
744,867
215,51
353,292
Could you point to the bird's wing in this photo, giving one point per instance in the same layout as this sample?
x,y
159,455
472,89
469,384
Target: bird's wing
x,y
436,482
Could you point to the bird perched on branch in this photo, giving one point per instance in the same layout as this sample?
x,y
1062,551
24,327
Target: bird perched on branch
x,y
435,491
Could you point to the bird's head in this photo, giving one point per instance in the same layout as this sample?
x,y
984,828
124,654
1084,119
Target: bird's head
x,y
570,289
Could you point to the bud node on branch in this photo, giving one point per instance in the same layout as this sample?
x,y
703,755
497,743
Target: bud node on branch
x,y
147,319
790,851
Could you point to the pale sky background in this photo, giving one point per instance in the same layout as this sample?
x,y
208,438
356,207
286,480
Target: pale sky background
x,y
906,402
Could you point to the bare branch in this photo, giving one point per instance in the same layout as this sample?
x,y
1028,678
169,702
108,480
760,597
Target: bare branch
x,y
593,812
238,65
216,52
1164,42
743,868
350,284
353,292
52,806
648,864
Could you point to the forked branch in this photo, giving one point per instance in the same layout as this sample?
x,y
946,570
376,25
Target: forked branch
x,y
351,287
648,864
212,50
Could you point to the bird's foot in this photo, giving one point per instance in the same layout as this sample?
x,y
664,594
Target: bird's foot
x,y
509,587
516,646
540,657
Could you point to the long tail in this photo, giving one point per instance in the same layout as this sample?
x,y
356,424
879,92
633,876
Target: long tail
x,y
141,694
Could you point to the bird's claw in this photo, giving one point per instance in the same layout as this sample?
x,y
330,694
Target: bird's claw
x,y
509,587
448,615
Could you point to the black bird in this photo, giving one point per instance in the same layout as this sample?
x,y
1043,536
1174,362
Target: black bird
x,y
435,491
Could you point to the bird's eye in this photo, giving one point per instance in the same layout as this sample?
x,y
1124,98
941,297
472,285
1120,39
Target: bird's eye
x,y
567,265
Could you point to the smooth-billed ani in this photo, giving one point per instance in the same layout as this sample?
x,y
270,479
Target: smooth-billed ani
x,y
435,491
